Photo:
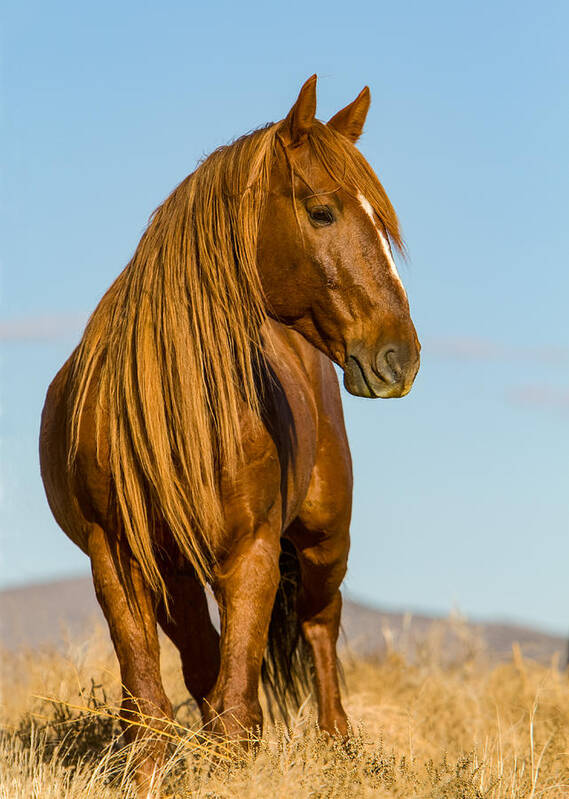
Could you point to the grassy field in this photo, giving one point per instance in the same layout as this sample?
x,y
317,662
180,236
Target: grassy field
x,y
426,729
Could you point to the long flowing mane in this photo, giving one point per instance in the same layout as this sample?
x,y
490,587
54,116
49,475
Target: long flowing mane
x,y
171,351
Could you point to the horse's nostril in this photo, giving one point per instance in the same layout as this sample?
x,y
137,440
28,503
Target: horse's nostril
x,y
393,363
388,366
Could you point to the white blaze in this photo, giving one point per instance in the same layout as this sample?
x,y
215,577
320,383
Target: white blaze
x,y
384,243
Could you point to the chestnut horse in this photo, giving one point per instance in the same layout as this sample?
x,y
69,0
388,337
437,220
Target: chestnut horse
x,y
196,436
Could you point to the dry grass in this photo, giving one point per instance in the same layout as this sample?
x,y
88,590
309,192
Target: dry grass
x,y
426,729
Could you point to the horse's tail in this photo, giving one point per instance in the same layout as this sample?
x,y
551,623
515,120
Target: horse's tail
x,y
288,666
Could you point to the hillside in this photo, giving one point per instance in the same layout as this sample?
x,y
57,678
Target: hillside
x,y
49,613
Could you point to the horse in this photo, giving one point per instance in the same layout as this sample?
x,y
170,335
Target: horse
x,y
195,439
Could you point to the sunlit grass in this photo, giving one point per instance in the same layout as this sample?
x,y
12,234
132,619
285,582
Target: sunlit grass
x,y
423,729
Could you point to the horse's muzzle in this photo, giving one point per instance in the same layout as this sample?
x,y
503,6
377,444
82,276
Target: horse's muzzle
x,y
389,372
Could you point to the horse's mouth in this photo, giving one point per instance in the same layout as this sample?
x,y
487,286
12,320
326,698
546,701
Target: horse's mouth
x,y
361,381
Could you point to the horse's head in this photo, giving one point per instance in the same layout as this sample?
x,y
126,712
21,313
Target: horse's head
x,y
325,255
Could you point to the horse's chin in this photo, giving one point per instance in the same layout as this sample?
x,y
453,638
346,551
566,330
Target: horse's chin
x,y
360,381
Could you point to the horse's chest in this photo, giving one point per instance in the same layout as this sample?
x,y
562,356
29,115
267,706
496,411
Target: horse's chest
x,y
298,451
279,454
293,415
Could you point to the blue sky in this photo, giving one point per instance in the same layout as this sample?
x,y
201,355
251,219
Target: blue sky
x,y
461,492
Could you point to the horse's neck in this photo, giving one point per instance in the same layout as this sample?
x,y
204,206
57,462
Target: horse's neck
x,y
282,341
292,359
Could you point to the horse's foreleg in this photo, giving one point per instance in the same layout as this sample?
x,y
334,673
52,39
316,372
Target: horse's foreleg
x,y
323,557
128,606
245,587
189,626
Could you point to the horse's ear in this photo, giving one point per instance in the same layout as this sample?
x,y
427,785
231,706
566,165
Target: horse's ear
x,y
351,119
299,120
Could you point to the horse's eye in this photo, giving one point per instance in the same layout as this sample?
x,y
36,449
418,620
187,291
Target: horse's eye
x,y
321,215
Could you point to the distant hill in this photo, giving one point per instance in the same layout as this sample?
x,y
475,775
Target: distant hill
x,y
46,614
